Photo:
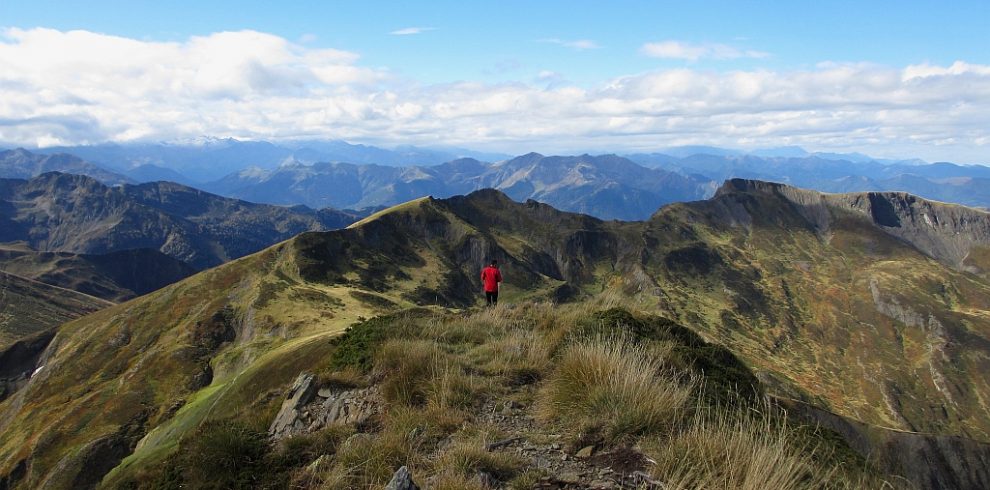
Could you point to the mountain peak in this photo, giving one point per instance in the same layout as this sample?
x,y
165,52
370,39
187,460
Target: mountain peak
x,y
731,186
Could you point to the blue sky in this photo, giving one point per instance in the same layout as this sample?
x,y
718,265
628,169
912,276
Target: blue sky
x,y
637,66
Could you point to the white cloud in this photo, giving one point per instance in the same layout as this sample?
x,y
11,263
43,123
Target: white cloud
x,y
576,44
409,31
80,87
693,52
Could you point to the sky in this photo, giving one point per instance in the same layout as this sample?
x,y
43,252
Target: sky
x,y
893,79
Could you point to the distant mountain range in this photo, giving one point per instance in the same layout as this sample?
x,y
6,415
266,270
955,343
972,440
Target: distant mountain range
x,y
943,181
340,175
212,158
22,164
606,186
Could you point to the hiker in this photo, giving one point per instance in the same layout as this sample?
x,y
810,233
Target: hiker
x,y
490,277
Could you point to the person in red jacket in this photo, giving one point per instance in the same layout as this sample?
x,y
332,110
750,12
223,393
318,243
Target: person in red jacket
x,y
490,277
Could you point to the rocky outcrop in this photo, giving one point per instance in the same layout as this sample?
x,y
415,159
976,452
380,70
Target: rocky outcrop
x,y
19,361
308,408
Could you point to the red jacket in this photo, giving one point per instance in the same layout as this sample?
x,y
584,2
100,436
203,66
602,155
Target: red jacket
x,y
491,277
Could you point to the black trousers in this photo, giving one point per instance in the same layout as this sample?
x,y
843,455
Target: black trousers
x,y
491,298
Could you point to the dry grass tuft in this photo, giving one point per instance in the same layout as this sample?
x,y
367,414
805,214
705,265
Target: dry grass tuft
x,y
408,367
614,384
465,459
720,451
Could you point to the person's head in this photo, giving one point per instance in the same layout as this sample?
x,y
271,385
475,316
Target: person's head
x,y
494,263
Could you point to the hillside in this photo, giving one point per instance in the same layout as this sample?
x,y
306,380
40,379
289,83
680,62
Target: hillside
x,y
29,313
37,307
57,212
851,304
116,276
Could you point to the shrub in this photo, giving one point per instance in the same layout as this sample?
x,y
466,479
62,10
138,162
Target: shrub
x,y
356,347
221,454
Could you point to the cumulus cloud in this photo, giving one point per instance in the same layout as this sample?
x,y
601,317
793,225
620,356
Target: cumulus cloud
x,y
576,44
694,52
80,87
409,31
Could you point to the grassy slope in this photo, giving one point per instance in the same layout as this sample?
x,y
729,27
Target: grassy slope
x,y
115,277
854,320
28,307
576,376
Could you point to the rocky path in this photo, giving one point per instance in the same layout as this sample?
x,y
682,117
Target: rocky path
x,y
569,466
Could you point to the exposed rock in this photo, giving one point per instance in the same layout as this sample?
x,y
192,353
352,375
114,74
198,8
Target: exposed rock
x,y
308,409
402,480
487,480
20,360
288,416
345,407
585,452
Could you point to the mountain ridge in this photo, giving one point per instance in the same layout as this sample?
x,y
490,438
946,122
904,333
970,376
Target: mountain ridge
x,y
944,231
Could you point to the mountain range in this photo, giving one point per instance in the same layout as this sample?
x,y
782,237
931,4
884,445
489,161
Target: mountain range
x,y
209,159
320,174
868,309
607,186
56,212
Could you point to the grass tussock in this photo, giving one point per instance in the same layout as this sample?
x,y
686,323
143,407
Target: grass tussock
x,y
622,387
469,458
420,372
723,449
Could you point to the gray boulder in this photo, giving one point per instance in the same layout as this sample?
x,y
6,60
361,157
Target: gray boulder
x,y
402,480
